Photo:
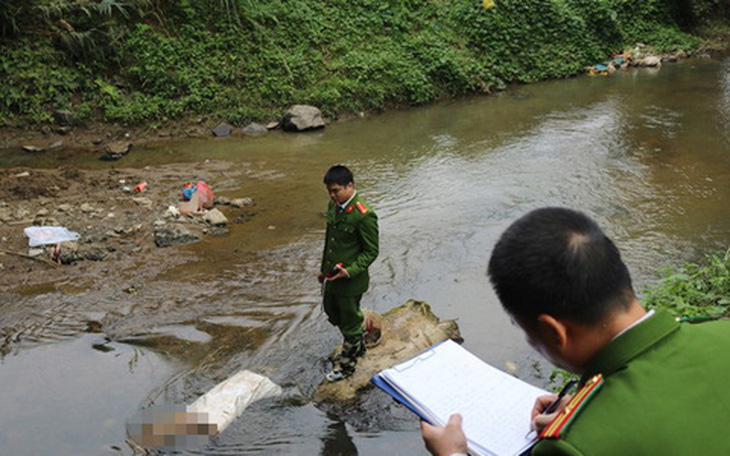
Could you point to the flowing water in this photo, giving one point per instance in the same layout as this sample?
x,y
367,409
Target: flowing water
x,y
645,152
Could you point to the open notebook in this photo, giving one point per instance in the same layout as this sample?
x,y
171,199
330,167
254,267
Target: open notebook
x,y
448,379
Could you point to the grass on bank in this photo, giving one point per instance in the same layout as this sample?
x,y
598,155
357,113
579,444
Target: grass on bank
x,y
148,61
692,293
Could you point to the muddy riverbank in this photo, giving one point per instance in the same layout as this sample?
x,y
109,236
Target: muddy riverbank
x,y
119,226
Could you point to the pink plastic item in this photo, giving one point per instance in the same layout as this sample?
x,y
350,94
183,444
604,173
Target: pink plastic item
x,y
205,195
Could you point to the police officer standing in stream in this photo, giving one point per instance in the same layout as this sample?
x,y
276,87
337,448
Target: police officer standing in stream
x,y
351,245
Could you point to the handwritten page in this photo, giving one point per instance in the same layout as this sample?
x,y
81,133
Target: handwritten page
x,y
448,379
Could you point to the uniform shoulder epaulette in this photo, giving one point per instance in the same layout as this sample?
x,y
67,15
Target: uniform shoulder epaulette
x,y
361,207
561,422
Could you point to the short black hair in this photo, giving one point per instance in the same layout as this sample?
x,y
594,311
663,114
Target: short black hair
x,y
557,261
339,174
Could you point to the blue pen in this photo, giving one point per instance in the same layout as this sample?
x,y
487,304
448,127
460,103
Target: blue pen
x,y
551,408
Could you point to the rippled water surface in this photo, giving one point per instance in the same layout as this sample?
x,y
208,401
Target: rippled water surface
x,y
644,152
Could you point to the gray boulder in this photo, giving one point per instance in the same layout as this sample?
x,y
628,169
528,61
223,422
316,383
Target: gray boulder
x,y
115,151
254,129
651,61
302,118
222,130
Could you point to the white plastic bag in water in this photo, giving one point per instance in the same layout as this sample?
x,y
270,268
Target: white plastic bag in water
x,y
45,235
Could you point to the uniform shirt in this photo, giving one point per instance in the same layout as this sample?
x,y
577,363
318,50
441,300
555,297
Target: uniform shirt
x,y
351,239
665,392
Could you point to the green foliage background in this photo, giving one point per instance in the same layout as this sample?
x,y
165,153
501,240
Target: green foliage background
x,y
144,61
694,291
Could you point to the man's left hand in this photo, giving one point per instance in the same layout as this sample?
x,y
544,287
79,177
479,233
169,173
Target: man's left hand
x,y
445,441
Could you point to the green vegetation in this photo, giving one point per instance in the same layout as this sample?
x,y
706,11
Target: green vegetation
x,y
145,61
694,291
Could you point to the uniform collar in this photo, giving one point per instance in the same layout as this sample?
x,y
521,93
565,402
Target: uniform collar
x,y
344,205
631,344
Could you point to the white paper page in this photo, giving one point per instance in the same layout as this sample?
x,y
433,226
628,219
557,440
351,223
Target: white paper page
x,y
494,405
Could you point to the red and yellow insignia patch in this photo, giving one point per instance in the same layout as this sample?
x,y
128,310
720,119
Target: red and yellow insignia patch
x,y
349,209
361,207
555,429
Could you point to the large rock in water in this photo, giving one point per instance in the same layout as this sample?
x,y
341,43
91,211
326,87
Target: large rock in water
x,y
405,332
302,118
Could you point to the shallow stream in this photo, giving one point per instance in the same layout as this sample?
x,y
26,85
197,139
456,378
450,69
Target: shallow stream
x,y
645,152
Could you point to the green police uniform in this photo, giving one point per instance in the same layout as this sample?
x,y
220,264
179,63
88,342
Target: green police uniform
x,y
663,391
352,239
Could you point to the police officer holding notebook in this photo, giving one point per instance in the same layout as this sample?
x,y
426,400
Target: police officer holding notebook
x,y
649,385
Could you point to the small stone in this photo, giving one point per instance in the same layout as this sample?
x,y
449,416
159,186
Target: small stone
x,y
5,215
41,213
35,252
217,231
254,129
33,149
23,174
272,125
215,217
224,200
159,223
271,227
172,212
95,254
56,145
143,201
86,208
241,202
173,235
110,215
64,207
222,130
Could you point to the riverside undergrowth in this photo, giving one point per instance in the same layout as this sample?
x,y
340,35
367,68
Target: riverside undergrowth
x,y
693,292
146,61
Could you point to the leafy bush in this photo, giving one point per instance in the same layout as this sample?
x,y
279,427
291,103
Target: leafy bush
x,y
691,292
144,60
36,78
694,290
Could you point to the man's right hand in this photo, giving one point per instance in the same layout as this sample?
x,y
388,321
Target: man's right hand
x,y
320,277
538,420
445,441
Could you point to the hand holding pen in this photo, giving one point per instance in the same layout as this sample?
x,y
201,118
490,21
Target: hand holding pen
x,y
544,407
